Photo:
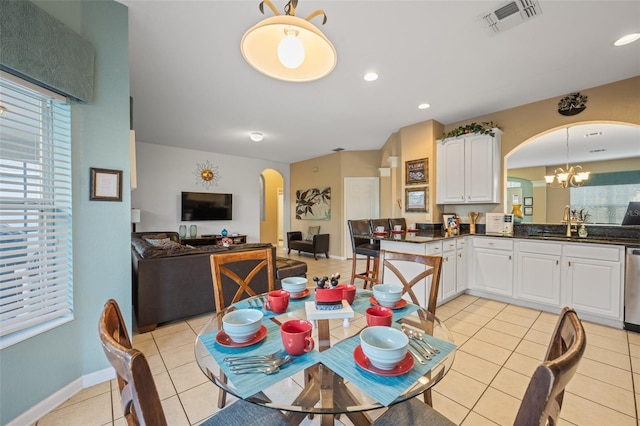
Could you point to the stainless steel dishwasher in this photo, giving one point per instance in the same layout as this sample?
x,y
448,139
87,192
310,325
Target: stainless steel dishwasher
x,y
632,290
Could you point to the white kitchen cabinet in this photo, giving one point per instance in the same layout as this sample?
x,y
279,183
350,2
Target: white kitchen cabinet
x,y
447,288
468,169
537,272
492,268
592,279
461,265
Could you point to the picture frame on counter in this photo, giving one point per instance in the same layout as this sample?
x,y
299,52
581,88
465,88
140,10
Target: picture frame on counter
x,y
105,184
417,171
446,217
416,199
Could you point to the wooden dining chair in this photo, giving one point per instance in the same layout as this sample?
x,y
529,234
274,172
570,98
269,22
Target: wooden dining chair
x,y
140,400
391,261
235,276
543,398
364,247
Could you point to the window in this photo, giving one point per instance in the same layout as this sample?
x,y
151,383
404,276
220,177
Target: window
x,y
36,274
606,204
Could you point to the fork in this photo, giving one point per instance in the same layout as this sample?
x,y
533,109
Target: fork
x,y
272,356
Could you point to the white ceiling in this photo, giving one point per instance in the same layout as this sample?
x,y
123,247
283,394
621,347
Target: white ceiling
x,y
191,87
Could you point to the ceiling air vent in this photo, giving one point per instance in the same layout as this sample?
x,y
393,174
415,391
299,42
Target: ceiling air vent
x,y
511,14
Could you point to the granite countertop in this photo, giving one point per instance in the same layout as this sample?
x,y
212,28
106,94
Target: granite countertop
x,y
617,235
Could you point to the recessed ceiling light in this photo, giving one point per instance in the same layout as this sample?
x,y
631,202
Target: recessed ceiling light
x,y
629,38
370,76
423,106
256,136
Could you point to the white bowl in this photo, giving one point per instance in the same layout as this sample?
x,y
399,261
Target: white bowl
x,y
294,285
387,295
242,324
384,346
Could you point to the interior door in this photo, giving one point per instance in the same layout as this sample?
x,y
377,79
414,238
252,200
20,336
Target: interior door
x,y
361,201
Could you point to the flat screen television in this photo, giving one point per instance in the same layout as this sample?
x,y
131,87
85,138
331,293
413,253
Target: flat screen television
x,y
632,216
206,206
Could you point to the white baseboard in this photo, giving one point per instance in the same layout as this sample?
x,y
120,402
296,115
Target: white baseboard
x,y
44,407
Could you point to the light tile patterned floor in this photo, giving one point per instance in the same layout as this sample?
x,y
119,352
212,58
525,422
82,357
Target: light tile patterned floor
x,y
499,347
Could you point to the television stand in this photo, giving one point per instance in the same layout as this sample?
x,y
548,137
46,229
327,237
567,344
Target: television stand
x,y
207,240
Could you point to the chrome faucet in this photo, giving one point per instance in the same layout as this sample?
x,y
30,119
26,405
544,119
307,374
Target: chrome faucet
x,y
566,217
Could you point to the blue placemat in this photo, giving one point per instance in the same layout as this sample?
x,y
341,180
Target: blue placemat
x,y
383,389
249,384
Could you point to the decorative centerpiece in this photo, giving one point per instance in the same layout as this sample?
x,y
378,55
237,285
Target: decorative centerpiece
x,y
484,128
328,297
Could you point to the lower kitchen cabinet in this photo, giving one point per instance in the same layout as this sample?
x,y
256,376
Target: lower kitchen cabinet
x,y
592,279
447,288
461,265
492,266
537,272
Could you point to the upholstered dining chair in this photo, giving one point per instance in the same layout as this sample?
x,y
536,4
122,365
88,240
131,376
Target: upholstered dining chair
x,y
393,261
364,247
140,401
543,398
233,274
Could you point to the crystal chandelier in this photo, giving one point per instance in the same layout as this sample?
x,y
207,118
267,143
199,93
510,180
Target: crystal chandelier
x,y
569,176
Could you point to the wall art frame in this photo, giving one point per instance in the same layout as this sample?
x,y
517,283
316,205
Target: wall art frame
x,y
528,201
417,199
313,204
105,184
416,171
528,211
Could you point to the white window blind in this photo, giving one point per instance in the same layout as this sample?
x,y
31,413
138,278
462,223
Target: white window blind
x,y
36,274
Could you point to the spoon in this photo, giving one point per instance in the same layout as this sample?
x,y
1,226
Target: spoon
x,y
418,336
261,365
413,338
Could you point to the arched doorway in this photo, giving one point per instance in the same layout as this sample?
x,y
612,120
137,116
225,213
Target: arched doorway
x,y
272,207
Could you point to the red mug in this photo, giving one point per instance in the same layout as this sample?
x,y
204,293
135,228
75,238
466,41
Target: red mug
x,y
379,315
277,301
348,292
296,336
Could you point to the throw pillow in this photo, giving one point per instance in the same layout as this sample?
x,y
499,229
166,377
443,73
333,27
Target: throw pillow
x,y
313,230
163,243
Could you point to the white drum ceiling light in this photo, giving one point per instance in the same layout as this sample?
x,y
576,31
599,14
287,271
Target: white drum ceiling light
x,y
289,48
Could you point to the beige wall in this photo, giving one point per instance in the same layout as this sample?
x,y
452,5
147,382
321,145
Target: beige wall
x,y
269,226
617,102
330,171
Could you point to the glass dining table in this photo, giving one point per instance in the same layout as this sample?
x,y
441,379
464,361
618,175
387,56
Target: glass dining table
x,y
334,378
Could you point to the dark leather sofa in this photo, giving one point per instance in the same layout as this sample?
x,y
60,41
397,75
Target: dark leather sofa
x,y
319,244
175,283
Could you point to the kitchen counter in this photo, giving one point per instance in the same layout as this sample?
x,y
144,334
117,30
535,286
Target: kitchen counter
x,y
630,235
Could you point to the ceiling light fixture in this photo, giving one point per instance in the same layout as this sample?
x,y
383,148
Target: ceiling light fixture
x,y
629,38
370,76
424,106
289,48
256,136
573,175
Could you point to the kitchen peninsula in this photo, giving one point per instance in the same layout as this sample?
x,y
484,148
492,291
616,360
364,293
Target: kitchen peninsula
x,y
537,267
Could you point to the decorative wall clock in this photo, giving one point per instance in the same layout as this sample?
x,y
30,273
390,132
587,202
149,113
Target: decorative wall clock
x,y
206,174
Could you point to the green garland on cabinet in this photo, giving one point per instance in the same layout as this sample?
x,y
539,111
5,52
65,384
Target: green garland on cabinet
x,y
484,128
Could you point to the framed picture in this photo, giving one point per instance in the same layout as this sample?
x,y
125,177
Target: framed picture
x,y
528,211
528,201
446,217
417,171
416,199
106,185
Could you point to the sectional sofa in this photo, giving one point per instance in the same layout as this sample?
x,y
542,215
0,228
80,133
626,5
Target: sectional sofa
x,y
172,281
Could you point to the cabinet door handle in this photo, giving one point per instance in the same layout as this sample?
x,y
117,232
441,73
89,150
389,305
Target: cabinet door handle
x,y
491,244
460,255
569,263
446,259
509,257
557,262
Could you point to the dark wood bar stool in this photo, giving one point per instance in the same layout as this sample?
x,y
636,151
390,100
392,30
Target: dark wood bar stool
x,y
365,247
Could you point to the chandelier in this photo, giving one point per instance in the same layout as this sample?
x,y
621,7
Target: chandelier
x,y
289,48
569,176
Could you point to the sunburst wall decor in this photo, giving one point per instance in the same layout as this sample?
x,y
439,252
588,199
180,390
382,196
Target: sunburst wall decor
x,y
206,174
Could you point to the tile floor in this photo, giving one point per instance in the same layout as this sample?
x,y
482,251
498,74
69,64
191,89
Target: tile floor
x,y
499,347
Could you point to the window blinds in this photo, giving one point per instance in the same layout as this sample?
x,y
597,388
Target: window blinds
x,y
36,274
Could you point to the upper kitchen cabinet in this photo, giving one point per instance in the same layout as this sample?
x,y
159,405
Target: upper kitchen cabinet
x,y
468,169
